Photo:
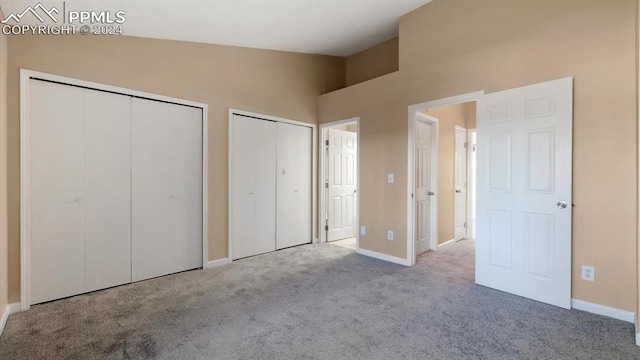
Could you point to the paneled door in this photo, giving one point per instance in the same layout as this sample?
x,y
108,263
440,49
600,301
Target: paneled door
x,y
293,210
460,185
424,188
342,184
524,191
253,186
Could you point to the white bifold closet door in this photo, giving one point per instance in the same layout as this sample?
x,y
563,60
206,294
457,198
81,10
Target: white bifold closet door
x,y
79,217
166,189
270,169
294,186
253,174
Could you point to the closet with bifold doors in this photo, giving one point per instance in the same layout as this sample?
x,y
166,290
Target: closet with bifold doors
x,y
270,182
115,189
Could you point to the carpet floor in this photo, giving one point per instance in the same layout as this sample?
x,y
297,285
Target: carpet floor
x,y
314,302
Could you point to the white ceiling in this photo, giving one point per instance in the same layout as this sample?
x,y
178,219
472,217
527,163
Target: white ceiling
x,y
330,27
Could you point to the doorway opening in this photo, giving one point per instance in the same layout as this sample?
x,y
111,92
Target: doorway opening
x,y
443,178
339,170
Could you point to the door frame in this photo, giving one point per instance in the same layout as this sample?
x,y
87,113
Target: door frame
x,y
314,165
466,201
413,110
25,173
435,137
322,238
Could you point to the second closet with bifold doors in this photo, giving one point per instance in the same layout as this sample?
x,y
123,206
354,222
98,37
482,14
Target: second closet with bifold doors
x,y
115,189
270,175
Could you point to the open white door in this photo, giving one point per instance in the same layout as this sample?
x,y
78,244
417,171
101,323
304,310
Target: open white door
x,y
524,191
460,186
424,189
341,207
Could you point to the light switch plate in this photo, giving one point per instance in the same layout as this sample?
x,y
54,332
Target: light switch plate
x,y
389,235
363,230
390,178
588,273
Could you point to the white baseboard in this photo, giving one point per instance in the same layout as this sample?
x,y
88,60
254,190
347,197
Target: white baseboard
x,y
217,263
385,257
4,318
603,310
14,308
447,242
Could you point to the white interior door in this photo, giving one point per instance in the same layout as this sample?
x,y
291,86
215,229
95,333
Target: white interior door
x,y
57,189
185,188
253,178
151,188
524,191
424,190
342,184
293,185
460,185
108,189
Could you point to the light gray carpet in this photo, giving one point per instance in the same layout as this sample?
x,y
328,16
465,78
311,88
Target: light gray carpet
x,y
314,302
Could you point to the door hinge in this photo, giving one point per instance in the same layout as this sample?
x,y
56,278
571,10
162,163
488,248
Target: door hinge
x,y
466,145
326,185
326,142
326,228
474,148
465,224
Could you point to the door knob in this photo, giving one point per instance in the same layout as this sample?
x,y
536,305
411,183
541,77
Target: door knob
x,y
458,191
355,191
562,204
431,193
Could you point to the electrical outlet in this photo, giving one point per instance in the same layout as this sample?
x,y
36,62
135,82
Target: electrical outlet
x,y
363,230
588,273
389,235
390,178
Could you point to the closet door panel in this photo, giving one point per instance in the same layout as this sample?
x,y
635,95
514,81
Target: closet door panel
x,y
150,191
108,190
294,185
56,191
264,163
186,188
253,160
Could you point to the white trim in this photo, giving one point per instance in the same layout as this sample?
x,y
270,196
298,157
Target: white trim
x,y
604,311
217,263
14,308
25,185
470,189
447,242
384,257
10,309
412,111
314,166
323,192
4,318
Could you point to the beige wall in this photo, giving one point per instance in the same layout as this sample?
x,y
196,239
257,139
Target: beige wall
x,y
268,82
376,61
470,114
449,117
452,47
3,174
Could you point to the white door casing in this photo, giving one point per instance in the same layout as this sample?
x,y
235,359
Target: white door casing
x,y
460,184
294,161
342,184
524,191
424,190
